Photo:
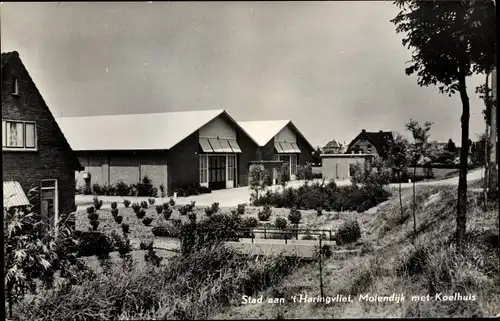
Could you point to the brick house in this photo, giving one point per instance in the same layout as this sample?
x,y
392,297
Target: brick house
x,y
174,149
279,142
374,143
35,153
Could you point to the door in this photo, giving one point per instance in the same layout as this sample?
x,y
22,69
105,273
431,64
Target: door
x,y
49,204
217,172
231,171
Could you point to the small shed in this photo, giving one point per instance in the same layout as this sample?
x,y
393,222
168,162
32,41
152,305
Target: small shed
x,y
341,166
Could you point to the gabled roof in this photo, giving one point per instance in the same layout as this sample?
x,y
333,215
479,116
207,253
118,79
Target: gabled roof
x,y
332,144
379,139
13,195
154,131
262,131
15,55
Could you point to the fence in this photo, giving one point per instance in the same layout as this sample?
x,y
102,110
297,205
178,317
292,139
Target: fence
x,y
250,232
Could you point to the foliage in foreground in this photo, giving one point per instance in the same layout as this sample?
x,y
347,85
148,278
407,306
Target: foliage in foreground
x,y
191,287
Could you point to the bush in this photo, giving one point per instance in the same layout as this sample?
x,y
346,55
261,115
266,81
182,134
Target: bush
x,y
122,189
136,207
319,211
215,207
171,202
92,243
114,212
167,213
145,188
147,221
140,213
95,224
97,203
192,217
191,189
265,214
126,203
348,232
144,204
163,192
308,237
240,209
93,216
119,219
125,228
165,206
209,211
151,201
166,230
295,216
184,210
114,205
280,223
304,172
191,205
90,210
159,209
249,222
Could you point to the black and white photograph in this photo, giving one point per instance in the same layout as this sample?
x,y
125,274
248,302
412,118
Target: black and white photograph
x,y
247,160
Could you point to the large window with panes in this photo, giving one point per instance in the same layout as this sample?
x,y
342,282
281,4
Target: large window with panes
x,y
18,135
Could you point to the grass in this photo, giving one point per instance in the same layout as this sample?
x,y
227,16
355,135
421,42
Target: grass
x,y
394,265
192,287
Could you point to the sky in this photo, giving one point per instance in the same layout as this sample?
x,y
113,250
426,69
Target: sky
x,y
332,68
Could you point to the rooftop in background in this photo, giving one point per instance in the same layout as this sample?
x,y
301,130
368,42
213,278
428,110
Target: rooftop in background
x,y
155,131
262,131
379,139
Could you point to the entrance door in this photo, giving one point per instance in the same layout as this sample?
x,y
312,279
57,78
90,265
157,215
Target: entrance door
x,y
49,204
217,172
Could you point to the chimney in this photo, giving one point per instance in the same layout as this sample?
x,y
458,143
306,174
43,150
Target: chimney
x,y
363,130
381,131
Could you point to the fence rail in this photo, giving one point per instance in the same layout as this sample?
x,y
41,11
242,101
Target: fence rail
x,y
292,231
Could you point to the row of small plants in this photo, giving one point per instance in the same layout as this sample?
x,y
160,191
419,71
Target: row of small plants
x,y
143,188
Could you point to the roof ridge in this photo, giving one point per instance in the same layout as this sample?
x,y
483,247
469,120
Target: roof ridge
x,y
153,113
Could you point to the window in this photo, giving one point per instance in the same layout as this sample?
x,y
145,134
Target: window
x,y
230,167
15,86
203,169
293,164
18,135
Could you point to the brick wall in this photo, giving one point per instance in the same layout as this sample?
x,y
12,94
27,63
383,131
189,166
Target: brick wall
x,y
54,159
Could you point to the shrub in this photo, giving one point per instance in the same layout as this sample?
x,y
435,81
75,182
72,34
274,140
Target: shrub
x,y
265,214
234,212
215,207
159,209
326,251
151,201
192,217
122,189
167,213
163,192
147,221
144,204
97,203
166,230
140,213
93,243
93,216
90,210
249,222
280,222
295,216
209,211
308,237
304,172
114,205
95,224
114,212
126,203
119,219
125,228
204,190
319,211
171,202
241,209
191,205
136,207
145,188
165,206
146,245
191,189
348,232
184,210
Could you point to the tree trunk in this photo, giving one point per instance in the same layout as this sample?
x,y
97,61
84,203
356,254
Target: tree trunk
x,y
486,147
464,156
400,198
414,203
493,165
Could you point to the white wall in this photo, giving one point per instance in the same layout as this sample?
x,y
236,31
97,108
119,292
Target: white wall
x,y
285,134
217,128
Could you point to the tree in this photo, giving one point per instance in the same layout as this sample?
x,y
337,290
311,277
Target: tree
x,y
418,151
451,147
451,40
316,156
399,151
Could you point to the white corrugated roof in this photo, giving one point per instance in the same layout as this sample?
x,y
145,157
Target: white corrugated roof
x,y
133,131
264,130
13,195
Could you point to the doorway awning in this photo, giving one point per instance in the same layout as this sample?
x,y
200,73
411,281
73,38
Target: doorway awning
x,y
286,148
219,145
13,195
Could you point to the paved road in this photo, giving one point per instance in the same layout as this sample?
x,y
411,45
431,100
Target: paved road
x,y
234,196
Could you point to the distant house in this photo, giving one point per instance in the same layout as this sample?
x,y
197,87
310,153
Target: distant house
x,y
174,149
360,151
35,153
332,147
373,143
279,142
